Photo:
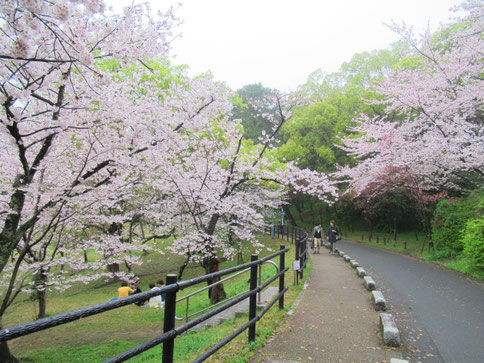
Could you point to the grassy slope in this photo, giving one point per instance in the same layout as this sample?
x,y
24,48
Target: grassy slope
x,y
99,337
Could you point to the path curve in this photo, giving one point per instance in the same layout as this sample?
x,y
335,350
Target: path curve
x,y
334,322
440,312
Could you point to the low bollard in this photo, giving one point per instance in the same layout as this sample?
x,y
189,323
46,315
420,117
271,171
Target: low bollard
x,y
369,283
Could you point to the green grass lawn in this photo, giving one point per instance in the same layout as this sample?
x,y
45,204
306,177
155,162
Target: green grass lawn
x,y
406,243
102,336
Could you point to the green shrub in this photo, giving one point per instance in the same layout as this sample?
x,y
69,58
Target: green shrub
x,y
449,220
473,240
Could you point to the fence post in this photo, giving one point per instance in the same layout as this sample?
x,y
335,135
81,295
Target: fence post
x,y
169,321
282,266
296,258
252,298
302,253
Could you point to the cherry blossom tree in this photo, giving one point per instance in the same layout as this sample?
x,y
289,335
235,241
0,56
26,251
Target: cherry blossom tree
x,y
221,183
436,142
67,129
93,138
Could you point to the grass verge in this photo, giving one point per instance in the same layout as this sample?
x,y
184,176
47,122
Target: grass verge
x,y
100,337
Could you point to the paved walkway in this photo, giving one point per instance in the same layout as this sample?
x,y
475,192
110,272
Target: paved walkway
x,y
439,312
334,322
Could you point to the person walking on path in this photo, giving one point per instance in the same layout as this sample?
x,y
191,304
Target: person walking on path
x,y
332,235
317,238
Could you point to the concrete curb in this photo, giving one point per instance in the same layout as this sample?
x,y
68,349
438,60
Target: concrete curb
x,y
360,271
379,301
390,332
369,283
298,300
391,335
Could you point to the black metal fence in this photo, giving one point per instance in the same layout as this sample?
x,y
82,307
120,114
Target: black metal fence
x,y
297,236
170,332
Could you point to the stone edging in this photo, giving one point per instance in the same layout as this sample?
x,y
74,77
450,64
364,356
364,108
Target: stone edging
x,y
298,299
390,332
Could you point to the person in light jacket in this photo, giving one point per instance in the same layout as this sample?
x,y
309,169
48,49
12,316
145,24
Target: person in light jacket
x,y
331,235
317,232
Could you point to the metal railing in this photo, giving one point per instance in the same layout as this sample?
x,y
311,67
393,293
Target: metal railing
x,y
187,297
170,332
299,237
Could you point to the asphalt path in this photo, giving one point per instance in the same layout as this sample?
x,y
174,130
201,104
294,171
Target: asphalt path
x,y
440,312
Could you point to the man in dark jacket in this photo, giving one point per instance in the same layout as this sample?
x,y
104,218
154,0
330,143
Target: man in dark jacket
x,y
331,235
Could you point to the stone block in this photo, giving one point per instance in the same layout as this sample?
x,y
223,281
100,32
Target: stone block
x,y
341,253
360,271
391,335
347,258
354,263
379,301
369,283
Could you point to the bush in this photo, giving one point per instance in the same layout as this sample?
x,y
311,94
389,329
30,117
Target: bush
x,y
449,221
473,240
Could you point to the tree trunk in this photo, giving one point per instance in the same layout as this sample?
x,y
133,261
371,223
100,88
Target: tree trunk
x,y
114,229
297,205
423,244
371,231
394,232
210,264
289,215
40,295
41,298
311,212
5,355
182,268
215,293
113,267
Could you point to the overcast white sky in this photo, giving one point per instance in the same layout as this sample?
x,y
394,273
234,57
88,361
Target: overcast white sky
x,y
280,42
